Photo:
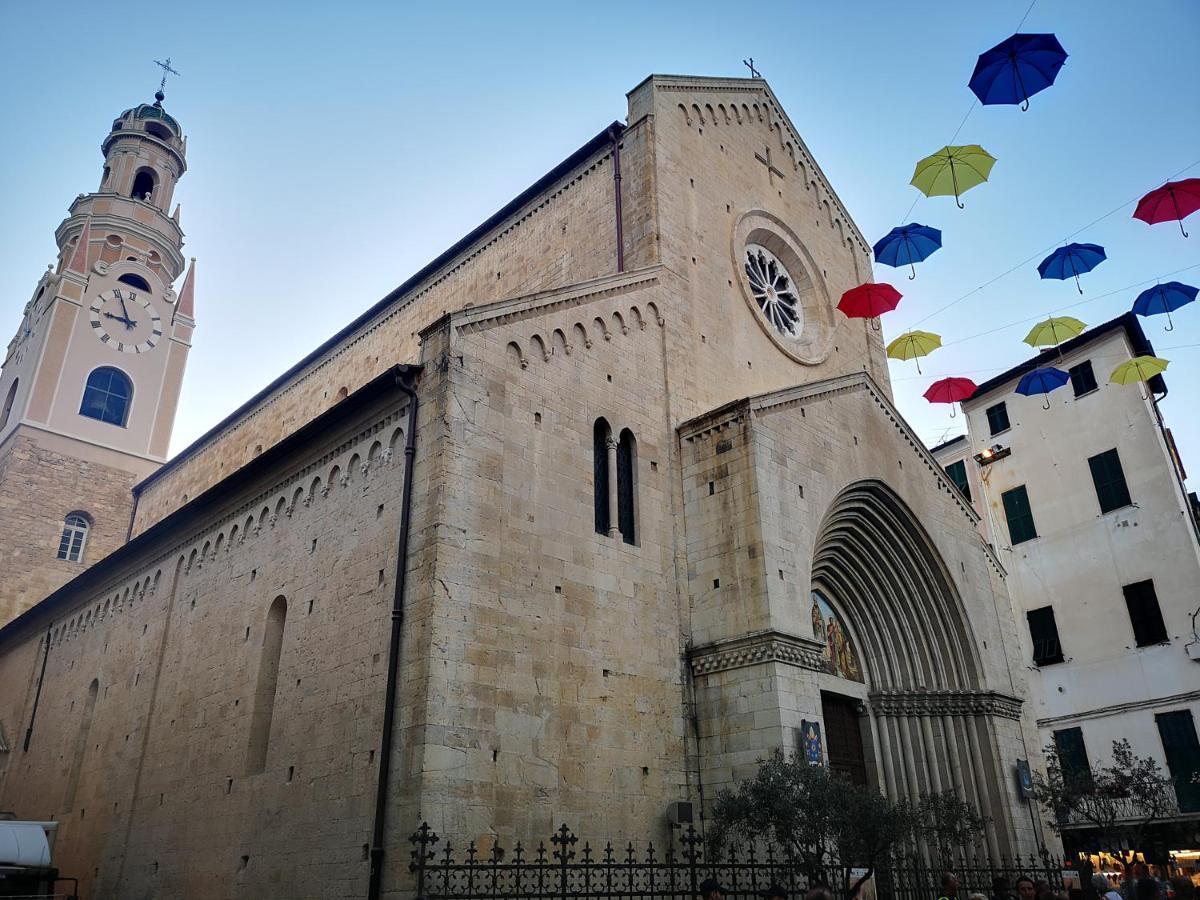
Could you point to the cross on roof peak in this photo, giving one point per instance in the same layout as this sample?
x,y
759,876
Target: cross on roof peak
x,y
162,85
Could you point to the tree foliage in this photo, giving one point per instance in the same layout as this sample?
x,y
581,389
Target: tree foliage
x,y
823,820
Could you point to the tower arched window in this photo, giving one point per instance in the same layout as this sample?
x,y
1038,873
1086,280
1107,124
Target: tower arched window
x,y
9,399
74,537
627,486
136,281
144,183
601,437
265,685
107,396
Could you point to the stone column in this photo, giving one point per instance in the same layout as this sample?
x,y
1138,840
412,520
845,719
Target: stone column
x,y
614,528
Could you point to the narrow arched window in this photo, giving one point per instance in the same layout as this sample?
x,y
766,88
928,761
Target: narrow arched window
x,y
264,688
81,745
144,183
107,396
9,399
74,537
601,435
627,486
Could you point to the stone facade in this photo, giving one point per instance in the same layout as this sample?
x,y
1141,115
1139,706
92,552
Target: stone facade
x,y
198,736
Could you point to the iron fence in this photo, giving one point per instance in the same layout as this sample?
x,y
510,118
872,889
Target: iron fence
x,y
568,870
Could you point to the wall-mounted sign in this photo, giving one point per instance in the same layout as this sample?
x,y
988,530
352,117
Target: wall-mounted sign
x,y
810,742
1024,778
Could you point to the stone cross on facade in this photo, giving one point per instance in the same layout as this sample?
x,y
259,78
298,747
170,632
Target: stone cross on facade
x,y
772,171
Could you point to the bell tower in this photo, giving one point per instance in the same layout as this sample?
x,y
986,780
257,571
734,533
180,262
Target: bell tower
x,y
91,378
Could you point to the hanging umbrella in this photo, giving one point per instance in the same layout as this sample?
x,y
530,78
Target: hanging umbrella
x,y
1053,331
906,245
953,170
1164,298
1174,201
869,301
1042,381
1016,69
1140,368
950,390
1072,260
914,344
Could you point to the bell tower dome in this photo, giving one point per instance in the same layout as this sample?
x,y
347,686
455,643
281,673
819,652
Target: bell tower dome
x,y
91,379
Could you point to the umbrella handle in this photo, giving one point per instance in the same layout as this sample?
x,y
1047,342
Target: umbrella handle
x,y
1077,285
952,410
954,182
1021,82
1025,105
918,362
1185,234
1178,217
914,269
1170,324
1045,400
875,325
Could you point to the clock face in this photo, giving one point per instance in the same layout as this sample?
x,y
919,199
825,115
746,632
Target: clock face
x,y
125,320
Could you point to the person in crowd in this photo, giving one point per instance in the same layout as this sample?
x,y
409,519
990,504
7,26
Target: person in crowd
x,y
1147,889
1103,889
710,889
1000,889
774,892
977,896
1076,893
820,892
1026,889
1185,888
949,886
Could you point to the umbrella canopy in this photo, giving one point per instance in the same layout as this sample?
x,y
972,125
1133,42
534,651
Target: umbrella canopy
x,y
914,344
1174,201
953,170
1071,261
1164,298
1053,331
950,390
1016,69
867,301
906,245
1042,381
1140,368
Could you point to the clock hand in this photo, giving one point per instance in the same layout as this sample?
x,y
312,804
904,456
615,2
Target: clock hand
x,y
129,323
124,311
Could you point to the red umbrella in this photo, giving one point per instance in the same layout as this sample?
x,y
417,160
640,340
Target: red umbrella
x,y
869,301
1174,201
950,390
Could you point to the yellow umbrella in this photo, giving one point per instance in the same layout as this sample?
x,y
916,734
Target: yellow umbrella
x,y
1140,368
913,344
1053,331
953,170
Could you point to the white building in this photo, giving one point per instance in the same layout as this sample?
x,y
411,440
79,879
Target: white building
x,y
1085,505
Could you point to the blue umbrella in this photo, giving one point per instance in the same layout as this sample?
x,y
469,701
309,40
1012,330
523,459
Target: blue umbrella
x,y
1016,69
1164,298
1071,261
1042,381
906,245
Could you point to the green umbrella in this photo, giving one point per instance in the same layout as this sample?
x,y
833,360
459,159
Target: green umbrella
x,y
953,170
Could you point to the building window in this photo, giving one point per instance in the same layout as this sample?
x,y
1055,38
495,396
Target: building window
x,y
601,435
627,486
997,417
81,745
1072,756
1019,515
1083,379
265,685
107,396
143,184
74,537
9,399
1043,631
136,281
1144,614
1109,479
1177,730
958,474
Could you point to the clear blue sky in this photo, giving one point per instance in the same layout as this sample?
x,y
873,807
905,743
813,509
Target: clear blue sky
x,y
335,149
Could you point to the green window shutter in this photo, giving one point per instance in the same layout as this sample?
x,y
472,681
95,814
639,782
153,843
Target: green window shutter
x,y
1109,478
1144,613
1017,511
1182,750
1043,632
1072,755
958,474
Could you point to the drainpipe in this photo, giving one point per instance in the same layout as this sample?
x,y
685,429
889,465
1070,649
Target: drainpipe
x,y
616,152
37,694
403,381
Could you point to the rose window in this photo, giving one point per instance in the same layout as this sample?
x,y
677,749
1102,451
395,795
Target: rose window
x,y
773,290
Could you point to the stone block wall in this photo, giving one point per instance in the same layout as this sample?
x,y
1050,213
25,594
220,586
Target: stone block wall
x,y
48,467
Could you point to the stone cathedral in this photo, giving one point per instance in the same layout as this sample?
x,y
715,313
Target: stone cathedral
x,y
581,520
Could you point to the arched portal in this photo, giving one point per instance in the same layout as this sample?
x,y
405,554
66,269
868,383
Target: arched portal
x,y
929,724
